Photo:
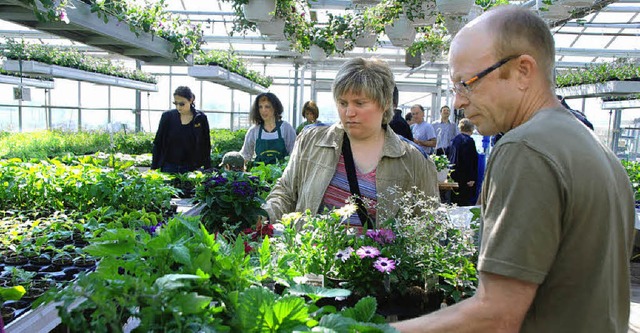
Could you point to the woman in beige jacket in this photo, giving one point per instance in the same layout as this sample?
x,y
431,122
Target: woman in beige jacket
x,y
317,175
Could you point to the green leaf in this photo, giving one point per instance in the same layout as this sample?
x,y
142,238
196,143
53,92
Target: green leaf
x,y
336,323
290,312
315,292
174,281
181,254
11,293
364,310
191,303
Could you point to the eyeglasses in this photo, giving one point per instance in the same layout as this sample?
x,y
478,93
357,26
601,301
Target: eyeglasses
x,y
463,88
181,104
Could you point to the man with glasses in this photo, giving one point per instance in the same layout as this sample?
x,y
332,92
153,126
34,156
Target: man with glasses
x,y
557,206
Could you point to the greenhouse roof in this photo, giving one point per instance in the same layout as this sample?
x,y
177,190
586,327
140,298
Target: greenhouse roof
x,y
602,33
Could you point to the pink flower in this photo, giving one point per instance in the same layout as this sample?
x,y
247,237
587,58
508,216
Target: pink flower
x,y
62,15
367,251
382,236
384,265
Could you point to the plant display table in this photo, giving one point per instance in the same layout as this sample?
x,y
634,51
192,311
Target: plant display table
x,y
226,78
27,82
609,88
87,28
34,67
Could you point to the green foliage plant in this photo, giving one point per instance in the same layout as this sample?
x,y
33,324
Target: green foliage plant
x,y
54,55
620,70
183,279
148,16
231,62
441,161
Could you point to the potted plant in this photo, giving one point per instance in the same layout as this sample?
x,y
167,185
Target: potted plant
x,y
402,261
442,166
9,294
152,18
230,201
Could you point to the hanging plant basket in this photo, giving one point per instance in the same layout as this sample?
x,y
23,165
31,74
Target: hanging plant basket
x,y
365,2
454,24
273,29
284,45
259,10
366,39
425,16
401,33
412,61
555,12
454,7
576,3
317,54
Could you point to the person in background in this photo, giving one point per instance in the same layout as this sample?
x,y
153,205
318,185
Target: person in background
x,y
397,123
182,142
576,113
233,161
270,139
409,118
359,155
557,205
423,133
445,131
311,113
464,157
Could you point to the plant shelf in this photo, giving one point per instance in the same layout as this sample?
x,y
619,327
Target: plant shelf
x,y
27,82
87,28
40,320
55,71
226,78
609,88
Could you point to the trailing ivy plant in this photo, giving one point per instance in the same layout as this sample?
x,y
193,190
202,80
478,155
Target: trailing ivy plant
x,y
53,55
620,70
150,17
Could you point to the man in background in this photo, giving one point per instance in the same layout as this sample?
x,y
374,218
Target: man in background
x,y
398,123
423,133
445,131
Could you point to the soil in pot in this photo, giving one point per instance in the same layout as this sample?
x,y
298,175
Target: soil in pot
x,y
41,260
8,314
84,262
15,260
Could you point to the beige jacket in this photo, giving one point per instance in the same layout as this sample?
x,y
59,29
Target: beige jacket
x,y
313,163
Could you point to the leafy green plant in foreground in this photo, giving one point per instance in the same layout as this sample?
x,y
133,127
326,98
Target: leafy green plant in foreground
x,y
183,279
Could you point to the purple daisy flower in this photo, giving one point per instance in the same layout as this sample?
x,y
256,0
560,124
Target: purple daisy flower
x,y
384,265
367,251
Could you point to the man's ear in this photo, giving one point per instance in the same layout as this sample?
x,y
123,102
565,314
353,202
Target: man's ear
x,y
526,70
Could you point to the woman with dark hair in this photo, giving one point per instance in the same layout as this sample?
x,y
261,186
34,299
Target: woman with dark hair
x,y
311,113
270,138
183,141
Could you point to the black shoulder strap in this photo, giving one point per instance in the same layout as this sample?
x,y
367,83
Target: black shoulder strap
x,y
350,167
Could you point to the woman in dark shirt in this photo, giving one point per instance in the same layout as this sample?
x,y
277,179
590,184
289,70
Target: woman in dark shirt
x,y
182,142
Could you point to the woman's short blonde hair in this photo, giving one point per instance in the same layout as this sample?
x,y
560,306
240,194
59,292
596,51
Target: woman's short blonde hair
x,y
370,77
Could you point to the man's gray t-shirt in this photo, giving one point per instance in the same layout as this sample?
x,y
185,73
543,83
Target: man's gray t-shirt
x,y
558,211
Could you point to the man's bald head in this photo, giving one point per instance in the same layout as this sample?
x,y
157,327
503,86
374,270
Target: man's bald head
x,y
515,30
